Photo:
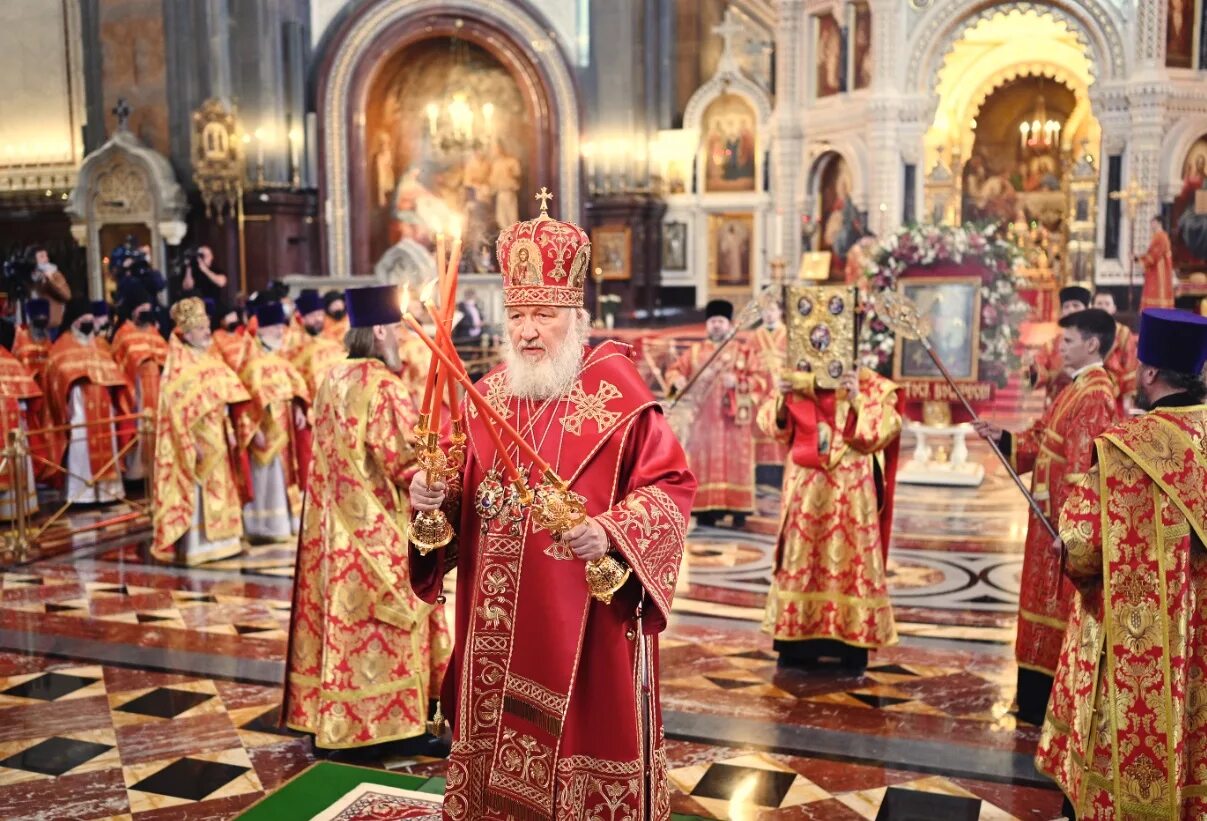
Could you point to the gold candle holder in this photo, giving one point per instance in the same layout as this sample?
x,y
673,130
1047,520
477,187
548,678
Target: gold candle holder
x,y
430,529
558,509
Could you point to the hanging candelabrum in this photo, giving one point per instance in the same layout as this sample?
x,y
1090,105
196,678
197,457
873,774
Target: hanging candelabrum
x,y
430,529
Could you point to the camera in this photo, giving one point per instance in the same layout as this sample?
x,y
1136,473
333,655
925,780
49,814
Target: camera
x,y
18,278
133,269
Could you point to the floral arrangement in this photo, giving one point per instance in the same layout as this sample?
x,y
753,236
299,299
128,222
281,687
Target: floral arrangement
x,y
1002,310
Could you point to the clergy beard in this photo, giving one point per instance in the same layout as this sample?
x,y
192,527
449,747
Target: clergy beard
x,y
1141,400
554,375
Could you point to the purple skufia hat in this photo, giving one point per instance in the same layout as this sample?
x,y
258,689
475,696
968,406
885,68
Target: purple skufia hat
x,y
269,314
1173,340
373,305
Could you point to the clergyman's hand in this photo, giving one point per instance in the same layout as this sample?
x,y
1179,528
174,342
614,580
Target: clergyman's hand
x,y
426,498
986,430
587,541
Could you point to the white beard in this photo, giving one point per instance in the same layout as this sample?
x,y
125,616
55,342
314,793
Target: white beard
x,y
552,376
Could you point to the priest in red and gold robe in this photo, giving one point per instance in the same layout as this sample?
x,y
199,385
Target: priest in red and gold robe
x,y
336,323
769,347
1125,736
201,472
32,345
233,340
1048,370
1057,451
721,404
553,694
829,596
275,429
1121,363
1158,268
316,355
141,352
84,385
366,655
20,409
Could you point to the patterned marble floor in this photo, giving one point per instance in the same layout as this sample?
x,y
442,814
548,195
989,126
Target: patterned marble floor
x,y
132,690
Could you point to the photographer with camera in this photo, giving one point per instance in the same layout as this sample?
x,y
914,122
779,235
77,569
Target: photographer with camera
x,y
200,277
132,271
49,284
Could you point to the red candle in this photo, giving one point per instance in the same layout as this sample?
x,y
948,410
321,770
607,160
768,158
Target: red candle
x,y
483,406
449,295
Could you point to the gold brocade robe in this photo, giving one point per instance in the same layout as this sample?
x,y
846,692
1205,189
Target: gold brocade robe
x,y
234,347
316,358
1057,451
770,349
274,384
33,354
1126,731
336,329
365,654
1158,273
195,401
829,580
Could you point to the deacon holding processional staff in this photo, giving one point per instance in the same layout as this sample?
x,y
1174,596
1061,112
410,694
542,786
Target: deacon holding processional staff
x,y
1124,735
570,507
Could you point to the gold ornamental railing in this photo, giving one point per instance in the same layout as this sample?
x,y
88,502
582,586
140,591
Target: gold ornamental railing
x,y
26,532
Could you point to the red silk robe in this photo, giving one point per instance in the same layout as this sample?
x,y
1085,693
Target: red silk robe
x,y
106,394
553,695
770,349
1158,272
33,354
829,578
720,443
235,347
141,353
1123,363
1057,450
275,386
1126,734
198,393
365,654
17,386
315,359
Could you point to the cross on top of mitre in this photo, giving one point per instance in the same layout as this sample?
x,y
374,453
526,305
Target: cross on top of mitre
x,y
544,196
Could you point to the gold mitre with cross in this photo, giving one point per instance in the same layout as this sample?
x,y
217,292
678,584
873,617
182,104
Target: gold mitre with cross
x,y
544,261
190,314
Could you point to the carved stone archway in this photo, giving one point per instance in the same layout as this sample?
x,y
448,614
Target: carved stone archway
x,y
125,182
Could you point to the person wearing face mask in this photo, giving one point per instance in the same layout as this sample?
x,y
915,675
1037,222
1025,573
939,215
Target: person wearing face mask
x,y
21,408
721,452
232,340
141,353
274,426
84,387
316,354
33,342
336,323
201,472
100,315
364,454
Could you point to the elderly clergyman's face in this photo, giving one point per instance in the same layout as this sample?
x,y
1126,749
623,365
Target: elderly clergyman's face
x,y
545,349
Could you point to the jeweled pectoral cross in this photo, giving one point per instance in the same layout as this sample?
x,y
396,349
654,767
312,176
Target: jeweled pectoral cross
x,y
544,196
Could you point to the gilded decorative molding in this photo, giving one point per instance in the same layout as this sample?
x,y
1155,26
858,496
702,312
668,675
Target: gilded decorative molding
x,y
338,111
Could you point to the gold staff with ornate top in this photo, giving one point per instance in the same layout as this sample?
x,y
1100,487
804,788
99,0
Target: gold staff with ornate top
x,y
902,316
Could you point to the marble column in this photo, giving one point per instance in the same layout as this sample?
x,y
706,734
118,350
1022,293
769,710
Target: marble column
x,y
1147,92
788,138
884,114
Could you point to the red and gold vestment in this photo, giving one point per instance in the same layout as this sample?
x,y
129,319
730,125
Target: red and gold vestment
x,y
1057,450
720,448
276,387
554,695
335,329
21,408
1126,731
829,578
1158,272
235,347
198,395
366,654
1122,363
770,349
33,354
106,394
315,358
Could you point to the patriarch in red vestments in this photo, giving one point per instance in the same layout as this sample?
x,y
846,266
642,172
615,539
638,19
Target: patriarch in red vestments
x,y
366,655
553,694
84,388
1125,735
829,594
274,425
201,472
1158,269
1057,450
720,441
141,352
1048,370
20,409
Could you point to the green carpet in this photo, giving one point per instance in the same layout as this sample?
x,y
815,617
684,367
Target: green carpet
x,y
325,783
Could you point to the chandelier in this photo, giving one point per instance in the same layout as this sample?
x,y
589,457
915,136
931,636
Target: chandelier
x,y
1039,132
455,124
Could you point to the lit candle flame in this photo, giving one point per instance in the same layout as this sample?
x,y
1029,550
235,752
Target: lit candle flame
x,y
429,289
456,226
404,298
